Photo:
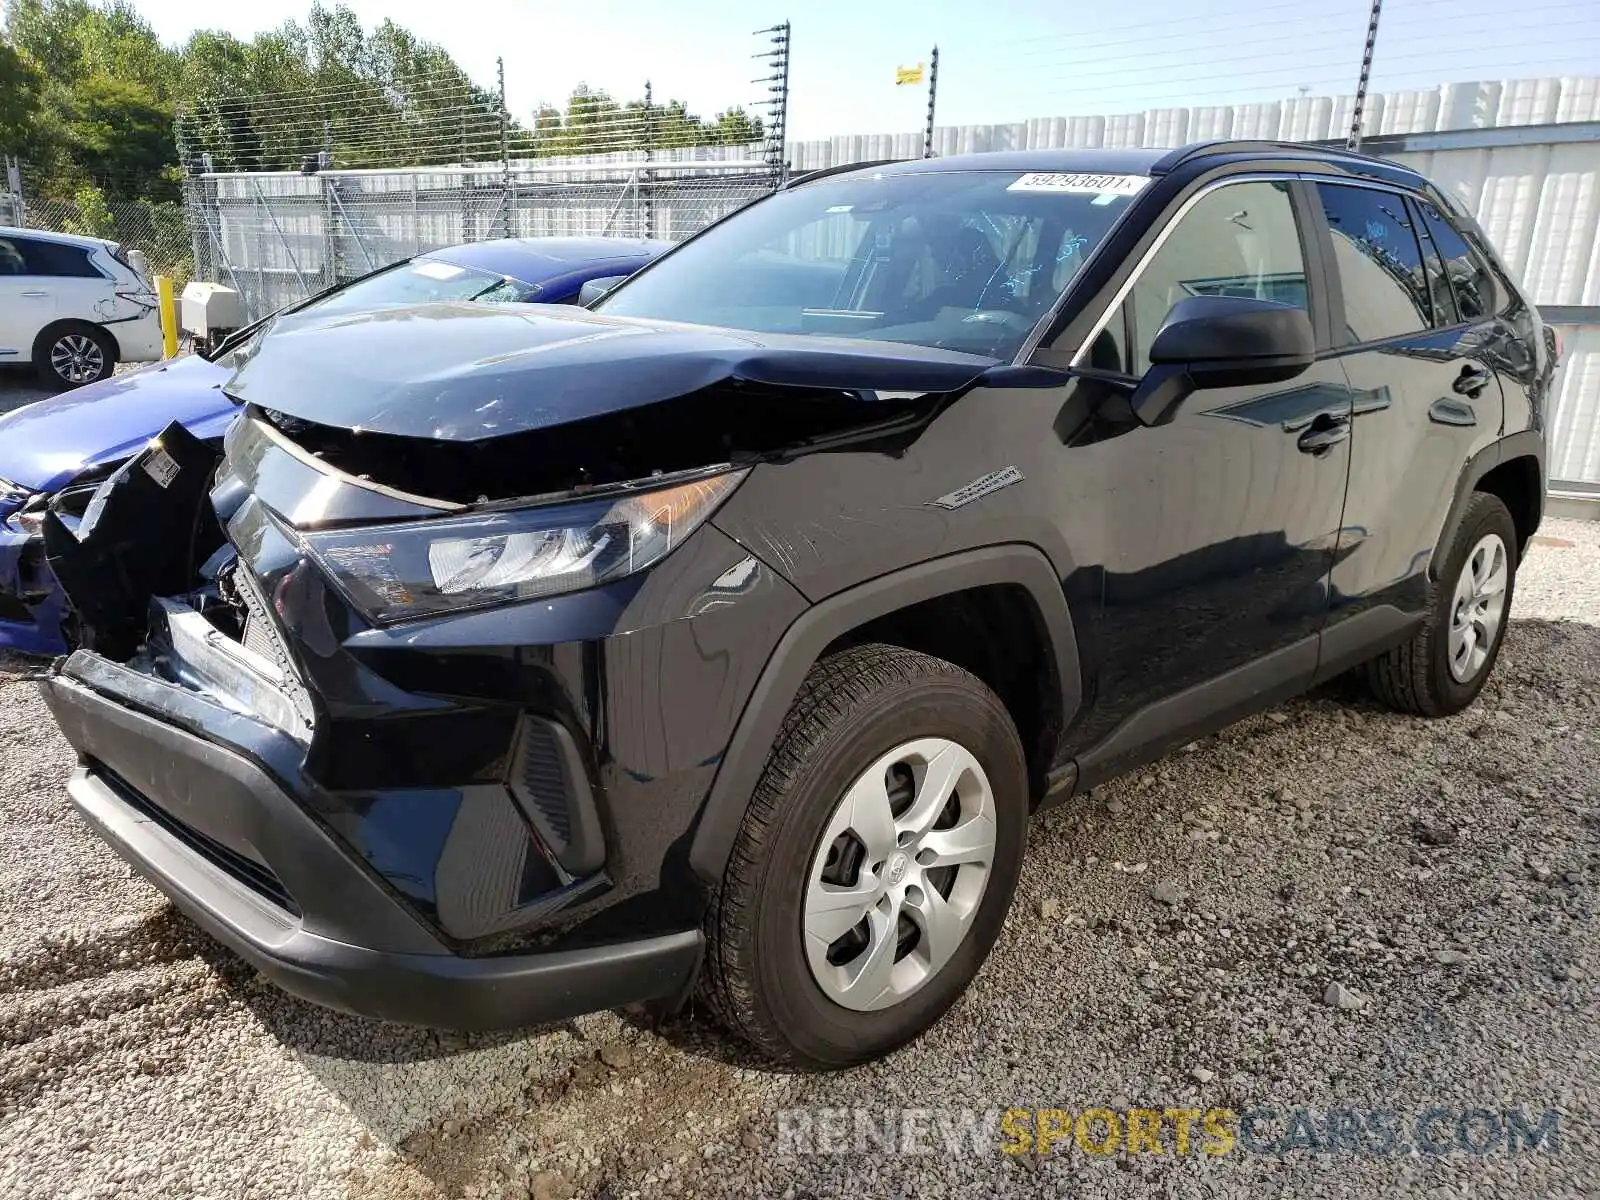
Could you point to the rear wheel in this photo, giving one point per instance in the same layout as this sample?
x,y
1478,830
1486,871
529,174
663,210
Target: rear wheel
x,y
1443,668
69,356
875,866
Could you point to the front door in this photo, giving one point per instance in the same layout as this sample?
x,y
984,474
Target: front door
x,y
1216,531
25,303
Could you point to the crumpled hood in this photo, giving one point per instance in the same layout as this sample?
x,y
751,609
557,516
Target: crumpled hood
x,y
47,444
465,372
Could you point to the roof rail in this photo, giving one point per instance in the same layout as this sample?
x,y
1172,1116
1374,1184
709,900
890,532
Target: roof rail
x,y
840,168
1183,154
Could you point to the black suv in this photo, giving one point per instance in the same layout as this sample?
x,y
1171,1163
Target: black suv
x,y
721,639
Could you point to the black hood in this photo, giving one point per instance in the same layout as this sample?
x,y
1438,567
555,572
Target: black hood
x,y
467,372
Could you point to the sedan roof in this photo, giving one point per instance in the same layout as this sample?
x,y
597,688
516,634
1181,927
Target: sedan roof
x,y
60,239
534,260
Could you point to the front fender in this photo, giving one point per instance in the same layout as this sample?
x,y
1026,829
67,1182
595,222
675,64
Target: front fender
x,y
812,632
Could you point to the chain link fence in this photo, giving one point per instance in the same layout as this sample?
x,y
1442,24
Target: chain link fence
x,y
159,229
277,237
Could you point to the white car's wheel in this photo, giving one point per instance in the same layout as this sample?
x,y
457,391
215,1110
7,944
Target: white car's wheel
x,y
69,356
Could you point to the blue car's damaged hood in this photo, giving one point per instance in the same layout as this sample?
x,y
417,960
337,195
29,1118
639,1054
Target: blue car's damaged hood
x,y
51,442
464,372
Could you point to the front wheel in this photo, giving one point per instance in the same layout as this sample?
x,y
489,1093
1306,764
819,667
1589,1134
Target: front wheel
x,y
1443,668
876,864
70,356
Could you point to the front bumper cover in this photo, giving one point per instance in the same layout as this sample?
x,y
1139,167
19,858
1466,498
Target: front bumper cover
x,y
32,607
236,853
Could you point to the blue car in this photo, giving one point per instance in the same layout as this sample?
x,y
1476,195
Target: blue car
x,y
63,447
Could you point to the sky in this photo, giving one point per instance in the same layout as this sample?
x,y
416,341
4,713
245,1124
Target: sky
x,y
999,60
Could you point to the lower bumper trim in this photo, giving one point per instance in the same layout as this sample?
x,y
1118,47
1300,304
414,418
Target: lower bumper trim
x,y
439,990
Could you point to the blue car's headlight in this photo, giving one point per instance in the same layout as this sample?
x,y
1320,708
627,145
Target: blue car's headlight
x,y
12,495
395,572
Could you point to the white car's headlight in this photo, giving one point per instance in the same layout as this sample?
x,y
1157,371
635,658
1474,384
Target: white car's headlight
x,y
397,572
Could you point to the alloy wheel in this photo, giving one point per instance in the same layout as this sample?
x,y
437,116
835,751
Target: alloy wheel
x,y
77,358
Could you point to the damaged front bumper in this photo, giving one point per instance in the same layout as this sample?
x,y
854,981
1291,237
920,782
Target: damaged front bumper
x,y
474,819
32,607
196,797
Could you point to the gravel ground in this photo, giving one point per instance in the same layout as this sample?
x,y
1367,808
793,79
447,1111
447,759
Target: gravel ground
x,y
1173,944
18,387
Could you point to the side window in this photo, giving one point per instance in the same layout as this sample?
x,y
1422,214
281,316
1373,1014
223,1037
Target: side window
x,y
1379,262
47,258
11,260
1240,240
1444,304
1471,279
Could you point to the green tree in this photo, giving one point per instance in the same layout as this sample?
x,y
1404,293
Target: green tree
x,y
21,89
594,123
92,215
738,128
121,136
48,31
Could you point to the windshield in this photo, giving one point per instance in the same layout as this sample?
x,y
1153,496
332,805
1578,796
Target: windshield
x,y
961,260
415,281
422,281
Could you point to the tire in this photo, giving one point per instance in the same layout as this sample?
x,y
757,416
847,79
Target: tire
x,y
854,710
1418,676
74,354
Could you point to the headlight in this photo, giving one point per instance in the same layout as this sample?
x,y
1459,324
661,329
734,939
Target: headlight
x,y
396,572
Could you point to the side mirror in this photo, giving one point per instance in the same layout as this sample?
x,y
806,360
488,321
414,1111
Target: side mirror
x,y
595,288
1221,341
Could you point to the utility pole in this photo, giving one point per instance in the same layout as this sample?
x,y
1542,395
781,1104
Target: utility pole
x,y
777,102
506,199
646,180
1354,142
933,96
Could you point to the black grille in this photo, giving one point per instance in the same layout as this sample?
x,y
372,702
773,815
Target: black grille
x,y
544,778
247,871
262,636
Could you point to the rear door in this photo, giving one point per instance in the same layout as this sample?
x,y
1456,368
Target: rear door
x,y
1498,326
1425,398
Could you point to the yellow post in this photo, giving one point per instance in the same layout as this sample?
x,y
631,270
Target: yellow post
x,y
169,317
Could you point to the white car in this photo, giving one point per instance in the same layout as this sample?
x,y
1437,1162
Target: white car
x,y
73,306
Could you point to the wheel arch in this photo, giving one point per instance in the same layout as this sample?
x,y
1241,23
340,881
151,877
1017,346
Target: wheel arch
x,y
1021,569
39,352
1511,468
63,324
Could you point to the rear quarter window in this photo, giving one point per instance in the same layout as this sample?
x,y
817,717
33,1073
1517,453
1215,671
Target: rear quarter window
x,y
47,258
1477,289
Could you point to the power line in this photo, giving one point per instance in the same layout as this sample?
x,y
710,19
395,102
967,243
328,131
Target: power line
x,y
1327,74
1102,66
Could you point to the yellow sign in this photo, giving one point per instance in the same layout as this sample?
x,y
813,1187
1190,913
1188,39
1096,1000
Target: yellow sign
x,y
904,75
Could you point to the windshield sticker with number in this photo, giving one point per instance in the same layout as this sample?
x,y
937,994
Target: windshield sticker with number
x,y
1093,185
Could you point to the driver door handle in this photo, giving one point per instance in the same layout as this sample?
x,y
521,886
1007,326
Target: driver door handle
x,y
1326,432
